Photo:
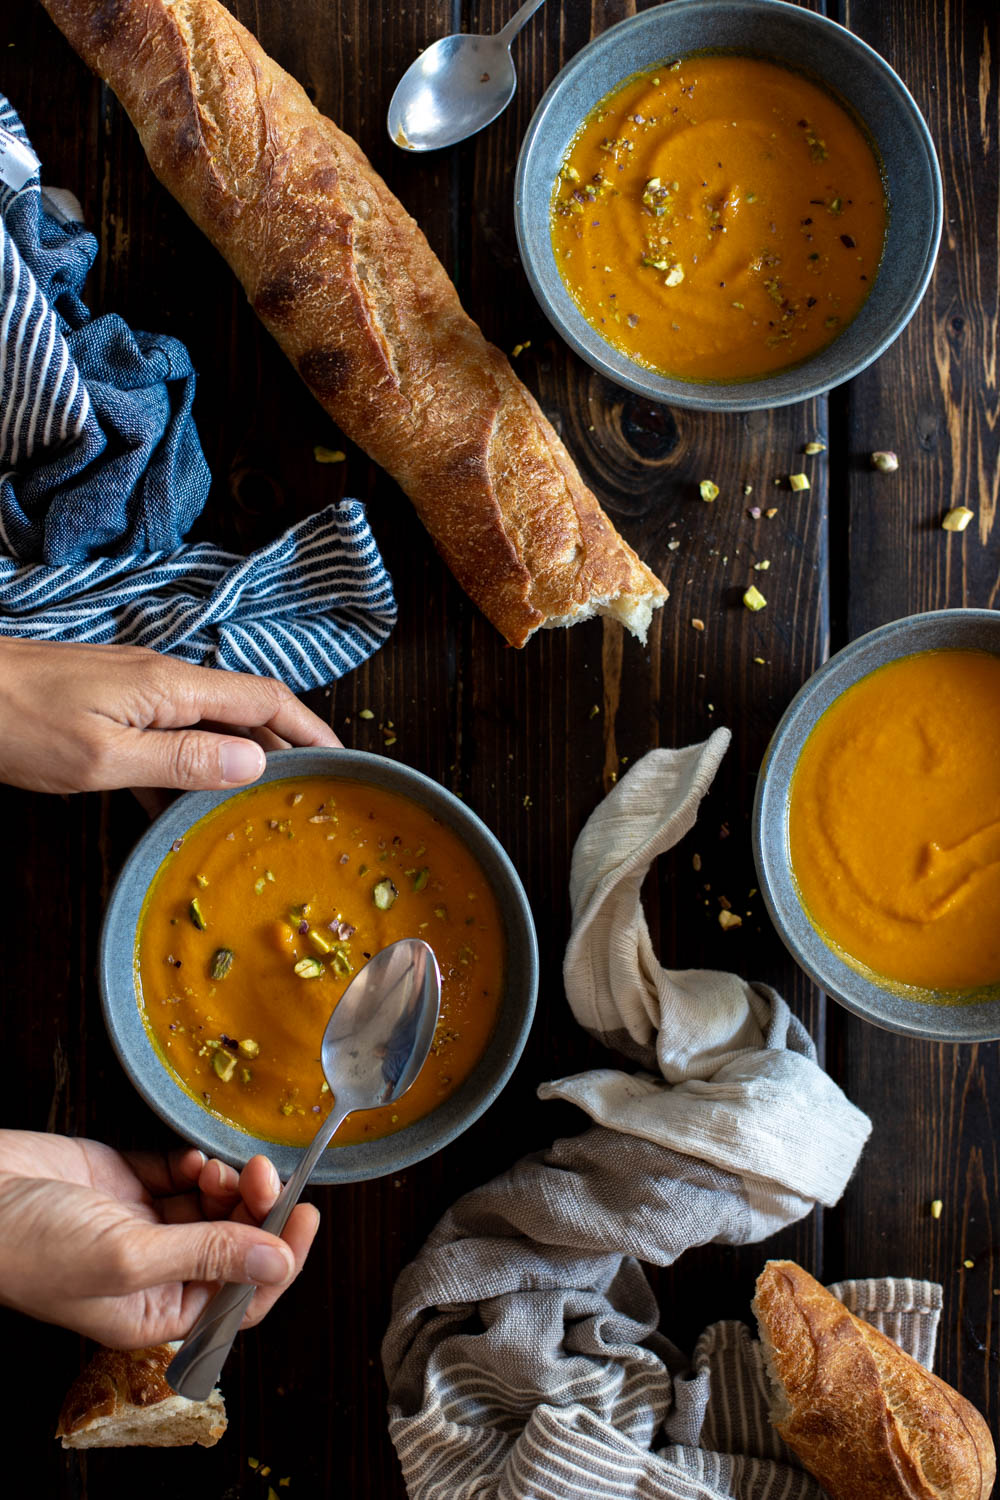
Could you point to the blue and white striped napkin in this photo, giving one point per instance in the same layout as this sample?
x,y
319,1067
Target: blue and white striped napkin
x,y
102,475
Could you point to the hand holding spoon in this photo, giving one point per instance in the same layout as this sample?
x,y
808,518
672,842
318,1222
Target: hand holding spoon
x,y
455,87
374,1045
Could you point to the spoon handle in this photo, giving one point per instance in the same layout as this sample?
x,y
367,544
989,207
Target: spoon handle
x,y
517,20
196,1366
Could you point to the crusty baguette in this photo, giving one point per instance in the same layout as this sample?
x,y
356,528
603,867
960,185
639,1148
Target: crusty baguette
x,y
348,285
867,1420
121,1399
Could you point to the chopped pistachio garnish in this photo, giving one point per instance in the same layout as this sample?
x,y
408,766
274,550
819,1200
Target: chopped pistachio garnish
x,y
197,915
886,463
384,894
754,599
319,942
729,919
245,1075
328,455
811,449
762,566
958,518
442,912
708,490
259,885
365,713
287,1109
674,276
421,878
308,968
936,1207
223,1064
249,1048
222,962
202,880
799,481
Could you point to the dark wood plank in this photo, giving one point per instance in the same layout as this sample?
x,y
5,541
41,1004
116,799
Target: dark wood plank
x,y
932,399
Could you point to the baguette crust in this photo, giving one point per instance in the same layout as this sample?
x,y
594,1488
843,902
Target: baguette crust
x,y
121,1398
867,1420
344,279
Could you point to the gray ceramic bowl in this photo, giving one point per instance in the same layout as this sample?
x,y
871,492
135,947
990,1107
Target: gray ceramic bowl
x,y
950,629
345,1163
801,39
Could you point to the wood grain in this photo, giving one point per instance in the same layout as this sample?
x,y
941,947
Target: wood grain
x,y
516,733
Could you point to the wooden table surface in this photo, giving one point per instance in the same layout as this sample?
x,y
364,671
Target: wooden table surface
x,y
516,732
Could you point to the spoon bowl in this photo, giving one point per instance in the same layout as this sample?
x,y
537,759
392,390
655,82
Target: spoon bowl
x,y
456,87
374,1045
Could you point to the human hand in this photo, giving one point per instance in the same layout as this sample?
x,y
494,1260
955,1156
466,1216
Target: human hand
x,y
82,718
128,1248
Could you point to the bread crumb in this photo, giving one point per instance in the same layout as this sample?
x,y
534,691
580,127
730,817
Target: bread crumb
x,y
697,624
728,919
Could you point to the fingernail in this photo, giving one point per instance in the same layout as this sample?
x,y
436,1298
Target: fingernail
x,y
241,760
275,1179
266,1266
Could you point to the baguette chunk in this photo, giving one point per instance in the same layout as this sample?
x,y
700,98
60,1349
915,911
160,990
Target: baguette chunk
x,y
344,279
121,1399
867,1420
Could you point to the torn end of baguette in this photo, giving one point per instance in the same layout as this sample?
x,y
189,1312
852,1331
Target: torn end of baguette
x,y
865,1418
633,611
121,1399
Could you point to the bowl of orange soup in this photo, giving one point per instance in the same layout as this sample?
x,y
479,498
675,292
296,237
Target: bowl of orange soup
x,y
877,826
238,921
728,204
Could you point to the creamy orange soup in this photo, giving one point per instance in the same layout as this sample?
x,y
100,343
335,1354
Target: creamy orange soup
x,y
719,218
259,917
894,821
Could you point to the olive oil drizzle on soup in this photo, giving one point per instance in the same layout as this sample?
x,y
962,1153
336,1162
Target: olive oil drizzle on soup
x,y
256,922
719,218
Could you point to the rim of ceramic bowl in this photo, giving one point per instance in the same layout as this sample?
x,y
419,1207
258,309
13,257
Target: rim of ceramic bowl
x,y
798,383
946,629
340,1164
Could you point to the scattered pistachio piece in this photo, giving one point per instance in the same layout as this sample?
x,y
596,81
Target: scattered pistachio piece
x,y
760,661
259,885
674,276
365,713
384,894
957,518
936,1207
672,546
520,348
197,915
328,455
421,878
748,489
222,962
249,1048
308,968
886,463
754,599
708,490
762,566
223,1064
799,481
202,880
319,942
729,919
811,449
697,624
968,1264
594,711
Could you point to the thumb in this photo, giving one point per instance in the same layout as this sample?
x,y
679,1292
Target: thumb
x,y
188,759
219,1250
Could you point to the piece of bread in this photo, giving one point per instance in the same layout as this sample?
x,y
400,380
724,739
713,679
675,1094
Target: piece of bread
x,y
122,1399
867,1420
344,279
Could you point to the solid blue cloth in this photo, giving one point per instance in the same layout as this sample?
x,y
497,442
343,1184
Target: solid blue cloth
x,y
102,475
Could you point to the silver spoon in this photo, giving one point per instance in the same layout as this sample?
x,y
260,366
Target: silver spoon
x,y
374,1045
454,88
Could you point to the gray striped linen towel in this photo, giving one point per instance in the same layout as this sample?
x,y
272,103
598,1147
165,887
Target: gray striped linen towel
x,y
524,1355
102,474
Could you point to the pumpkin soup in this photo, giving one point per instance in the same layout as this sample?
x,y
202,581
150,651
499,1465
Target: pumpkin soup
x,y
894,821
259,916
719,218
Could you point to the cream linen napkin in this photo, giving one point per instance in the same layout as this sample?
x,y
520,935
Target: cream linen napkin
x,y
738,1086
524,1357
